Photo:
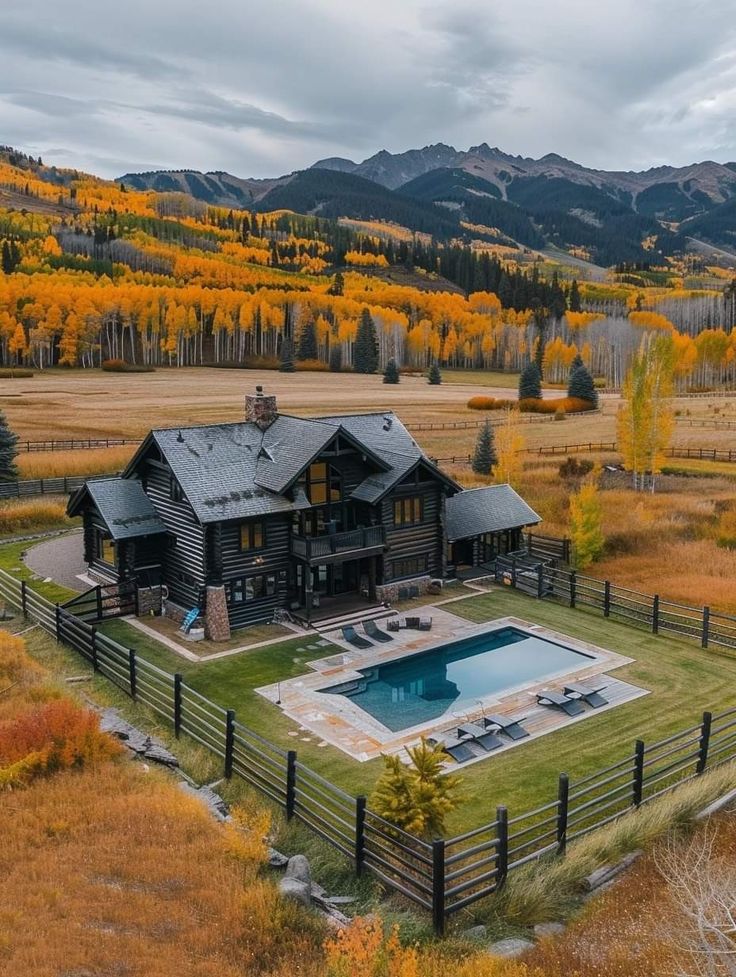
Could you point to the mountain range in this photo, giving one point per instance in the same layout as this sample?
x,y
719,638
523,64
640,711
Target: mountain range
x,y
614,216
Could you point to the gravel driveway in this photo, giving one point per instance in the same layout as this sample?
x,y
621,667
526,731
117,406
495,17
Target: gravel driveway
x,y
60,558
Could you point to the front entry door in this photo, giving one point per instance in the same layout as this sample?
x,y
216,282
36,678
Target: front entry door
x,y
345,578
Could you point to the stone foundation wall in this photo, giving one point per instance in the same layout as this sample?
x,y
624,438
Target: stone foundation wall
x,y
390,591
216,618
174,612
150,601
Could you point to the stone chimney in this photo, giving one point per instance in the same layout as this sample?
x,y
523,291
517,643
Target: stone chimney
x,y
261,410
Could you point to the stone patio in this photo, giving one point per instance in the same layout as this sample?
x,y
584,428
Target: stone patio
x,y
336,719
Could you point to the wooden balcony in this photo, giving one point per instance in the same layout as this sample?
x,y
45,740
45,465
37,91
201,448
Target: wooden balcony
x,y
336,547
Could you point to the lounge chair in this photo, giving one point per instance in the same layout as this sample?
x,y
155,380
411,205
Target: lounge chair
x,y
373,631
456,748
351,635
425,623
477,734
510,727
589,693
556,700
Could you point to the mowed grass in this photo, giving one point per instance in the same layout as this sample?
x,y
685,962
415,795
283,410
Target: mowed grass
x,y
683,680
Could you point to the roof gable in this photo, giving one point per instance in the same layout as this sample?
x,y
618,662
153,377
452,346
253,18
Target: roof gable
x,y
124,507
486,510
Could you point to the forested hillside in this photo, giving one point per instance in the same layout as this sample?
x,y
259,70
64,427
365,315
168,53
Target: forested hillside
x,y
93,271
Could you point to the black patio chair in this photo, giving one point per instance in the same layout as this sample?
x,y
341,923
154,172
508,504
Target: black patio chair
x,y
509,727
352,637
425,623
556,700
456,748
589,693
373,631
474,733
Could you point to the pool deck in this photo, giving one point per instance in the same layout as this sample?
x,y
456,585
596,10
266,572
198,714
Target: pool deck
x,y
339,721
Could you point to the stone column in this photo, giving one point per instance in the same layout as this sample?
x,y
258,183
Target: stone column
x,y
216,620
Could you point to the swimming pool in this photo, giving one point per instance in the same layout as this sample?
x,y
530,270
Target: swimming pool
x,y
421,687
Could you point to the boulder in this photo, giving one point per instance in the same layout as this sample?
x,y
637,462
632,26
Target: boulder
x,y
276,859
478,933
542,930
298,868
215,804
295,890
511,947
159,754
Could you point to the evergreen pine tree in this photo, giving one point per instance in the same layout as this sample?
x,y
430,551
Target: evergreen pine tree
x,y
335,357
8,451
6,261
338,285
484,457
307,349
577,361
574,299
581,386
391,373
286,357
365,357
434,376
530,382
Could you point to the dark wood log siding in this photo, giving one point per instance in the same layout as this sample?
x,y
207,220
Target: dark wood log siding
x,y
94,524
272,559
183,555
420,539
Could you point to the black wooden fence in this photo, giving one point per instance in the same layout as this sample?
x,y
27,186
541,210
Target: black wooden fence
x,y
442,876
75,444
43,486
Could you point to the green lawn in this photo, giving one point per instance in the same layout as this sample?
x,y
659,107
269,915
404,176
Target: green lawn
x,y
10,560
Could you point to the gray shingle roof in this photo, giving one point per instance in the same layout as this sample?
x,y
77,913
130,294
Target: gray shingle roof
x,y
125,507
486,510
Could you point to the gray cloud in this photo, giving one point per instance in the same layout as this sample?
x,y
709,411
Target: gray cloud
x,y
263,89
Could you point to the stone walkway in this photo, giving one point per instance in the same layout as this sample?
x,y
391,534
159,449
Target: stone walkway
x,y
60,559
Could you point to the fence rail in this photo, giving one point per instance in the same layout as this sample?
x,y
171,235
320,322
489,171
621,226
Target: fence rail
x,y
76,444
444,876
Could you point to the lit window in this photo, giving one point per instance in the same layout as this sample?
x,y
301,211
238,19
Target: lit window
x,y
407,511
252,536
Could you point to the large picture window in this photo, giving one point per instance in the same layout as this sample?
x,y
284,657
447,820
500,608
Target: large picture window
x,y
409,511
252,536
324,483
245,589
105,548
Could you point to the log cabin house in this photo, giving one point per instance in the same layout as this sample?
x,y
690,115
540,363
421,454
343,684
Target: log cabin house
x,y
277,511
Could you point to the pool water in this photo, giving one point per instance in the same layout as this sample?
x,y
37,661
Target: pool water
x,y
452,678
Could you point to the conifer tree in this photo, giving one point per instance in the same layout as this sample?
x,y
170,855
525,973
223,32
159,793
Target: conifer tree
x,y
586,532
576,362
574,300
338,285
418,797
335,357
8,451
434,377
391,372
365,357
307,348
484,457
530,383
286,357
582,386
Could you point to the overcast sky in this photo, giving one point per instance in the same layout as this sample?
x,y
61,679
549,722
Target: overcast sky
x,y
262,88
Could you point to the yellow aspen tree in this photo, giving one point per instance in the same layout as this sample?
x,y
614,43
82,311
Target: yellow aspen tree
x,y
510,446
586,530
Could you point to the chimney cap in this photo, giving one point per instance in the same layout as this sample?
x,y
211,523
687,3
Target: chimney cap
x,y
259,390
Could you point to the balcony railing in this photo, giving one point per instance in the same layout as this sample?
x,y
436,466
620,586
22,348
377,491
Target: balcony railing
x,y
313,548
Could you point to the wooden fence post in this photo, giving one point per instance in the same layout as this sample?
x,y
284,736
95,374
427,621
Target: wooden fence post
x,y
438,886
290,784
177,704
98,597
93,647
704,742
24,598
360,803
572,588
502,848
637,790
229,742
563,804
58,622
540,581
655,614
132,673
566,550
513,571
706,622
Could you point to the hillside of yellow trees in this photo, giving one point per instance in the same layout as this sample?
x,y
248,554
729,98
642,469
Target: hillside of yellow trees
x,y
159,279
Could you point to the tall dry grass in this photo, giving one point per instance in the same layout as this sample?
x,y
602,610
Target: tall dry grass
x,y
80,461
31,515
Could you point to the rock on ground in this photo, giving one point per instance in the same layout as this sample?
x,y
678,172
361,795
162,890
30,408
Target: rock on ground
x,y
298,868
511,947
548,929
296,890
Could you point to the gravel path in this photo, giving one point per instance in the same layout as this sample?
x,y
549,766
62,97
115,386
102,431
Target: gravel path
x,y
61,559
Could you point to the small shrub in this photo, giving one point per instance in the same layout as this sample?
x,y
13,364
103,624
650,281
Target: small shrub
x,y
120,366
15,374
391,372
726,529
573,467
570,405
311,366
434,377
560,414
490,403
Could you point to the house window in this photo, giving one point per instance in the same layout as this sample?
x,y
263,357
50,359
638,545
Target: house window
x,y
413,567
252,536
104,548
245,589
407,512
324,483
176,493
